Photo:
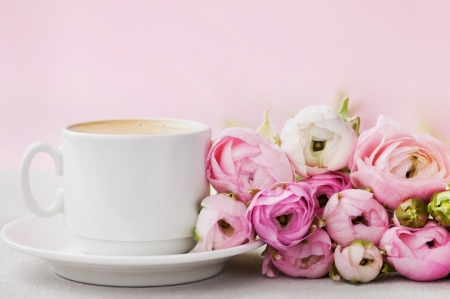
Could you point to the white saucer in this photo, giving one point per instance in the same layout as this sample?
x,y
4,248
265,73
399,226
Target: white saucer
x,y
47,239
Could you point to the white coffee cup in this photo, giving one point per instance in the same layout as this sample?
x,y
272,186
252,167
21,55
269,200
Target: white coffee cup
x,y
130,187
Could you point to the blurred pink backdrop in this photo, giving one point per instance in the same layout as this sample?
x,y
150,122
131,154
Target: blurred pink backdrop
x,y
219,62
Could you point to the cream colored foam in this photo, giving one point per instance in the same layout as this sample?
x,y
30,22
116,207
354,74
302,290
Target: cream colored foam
x,y
134,127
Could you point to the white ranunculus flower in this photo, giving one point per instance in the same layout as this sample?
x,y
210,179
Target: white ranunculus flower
x,y
318,140
359,262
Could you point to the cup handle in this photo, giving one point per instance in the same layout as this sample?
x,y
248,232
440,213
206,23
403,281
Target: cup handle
x,y
55,153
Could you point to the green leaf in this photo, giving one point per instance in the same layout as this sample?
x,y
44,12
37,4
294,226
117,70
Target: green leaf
x,y
346,170
343,113
196,236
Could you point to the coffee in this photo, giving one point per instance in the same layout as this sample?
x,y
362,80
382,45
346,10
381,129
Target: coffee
x,y
135,127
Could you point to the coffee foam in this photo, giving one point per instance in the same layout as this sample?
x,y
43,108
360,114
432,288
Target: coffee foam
x,y
136,127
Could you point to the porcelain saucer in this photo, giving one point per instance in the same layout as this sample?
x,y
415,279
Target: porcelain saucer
x,y
46,238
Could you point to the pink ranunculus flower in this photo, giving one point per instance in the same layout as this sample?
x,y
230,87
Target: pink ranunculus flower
x,y
311,258
242,160
282,215
318,140
354,214
324,186
222,223
397,165
359,262
420,254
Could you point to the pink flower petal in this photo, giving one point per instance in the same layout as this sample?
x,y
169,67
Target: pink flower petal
x,y
345,269
419,270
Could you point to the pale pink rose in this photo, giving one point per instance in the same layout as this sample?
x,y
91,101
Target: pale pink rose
x,y
419,254
311,258
354,214
324,186
397,165
318,140
359,262
282,215
241,161
222,223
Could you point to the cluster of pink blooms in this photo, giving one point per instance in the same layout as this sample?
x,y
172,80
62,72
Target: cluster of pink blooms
x,y
327,200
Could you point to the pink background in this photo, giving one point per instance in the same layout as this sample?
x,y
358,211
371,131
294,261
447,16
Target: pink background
x,y
219,62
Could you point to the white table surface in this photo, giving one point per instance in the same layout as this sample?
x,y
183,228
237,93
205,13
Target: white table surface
x,y
23,276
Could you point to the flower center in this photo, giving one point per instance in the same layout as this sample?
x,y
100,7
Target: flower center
x,y
360,220
250,178
430,244
225,228
317,145
366,262
323,199
307,262
284,220
413,169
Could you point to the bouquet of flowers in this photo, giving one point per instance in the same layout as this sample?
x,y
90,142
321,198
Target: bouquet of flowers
x,y
328,199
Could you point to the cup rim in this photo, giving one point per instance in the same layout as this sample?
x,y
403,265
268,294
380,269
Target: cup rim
x,y
202,127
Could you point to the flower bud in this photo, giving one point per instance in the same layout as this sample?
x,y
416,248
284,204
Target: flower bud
x,y
221,223
311,258
242,159
439,207
359,262
354,214
282,216
324,186
421,254
317,140
412,213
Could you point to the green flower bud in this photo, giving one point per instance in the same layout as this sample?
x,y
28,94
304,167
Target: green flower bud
x,y
412,213
439,207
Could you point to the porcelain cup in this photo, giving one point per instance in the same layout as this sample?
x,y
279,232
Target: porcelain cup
x,y
127,194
